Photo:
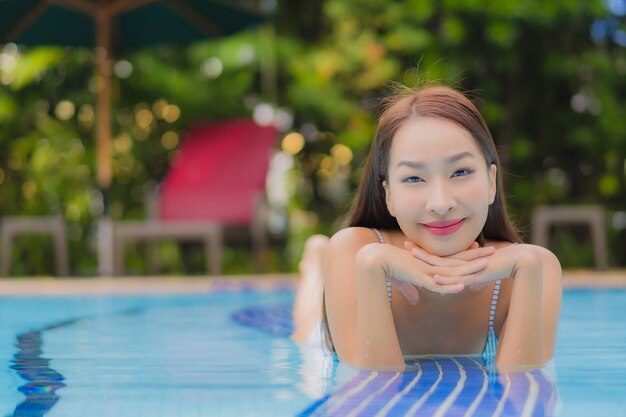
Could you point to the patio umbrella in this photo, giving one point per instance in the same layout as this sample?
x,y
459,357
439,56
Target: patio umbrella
x,y
113,26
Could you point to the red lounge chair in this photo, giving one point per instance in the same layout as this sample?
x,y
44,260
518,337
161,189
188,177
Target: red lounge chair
x,y
217,180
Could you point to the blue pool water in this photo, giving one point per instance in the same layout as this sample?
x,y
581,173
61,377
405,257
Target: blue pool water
x,y
226,353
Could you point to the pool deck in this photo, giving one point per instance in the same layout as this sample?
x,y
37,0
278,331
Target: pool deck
x,y
204,284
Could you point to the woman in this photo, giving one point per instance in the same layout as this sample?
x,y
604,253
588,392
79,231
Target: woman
x,y
430,263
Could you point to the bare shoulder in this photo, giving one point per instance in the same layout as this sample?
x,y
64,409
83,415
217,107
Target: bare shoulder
x,y
341,252
351,239
549,261
552,285
551,264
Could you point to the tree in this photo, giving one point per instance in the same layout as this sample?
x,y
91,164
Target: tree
x,y
548,89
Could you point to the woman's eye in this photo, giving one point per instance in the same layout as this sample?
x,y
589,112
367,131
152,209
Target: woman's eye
x,y
413,179
462,172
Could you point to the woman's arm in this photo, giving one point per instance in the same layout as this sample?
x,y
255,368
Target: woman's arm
x,y
529,332
521,338
378,346
340,289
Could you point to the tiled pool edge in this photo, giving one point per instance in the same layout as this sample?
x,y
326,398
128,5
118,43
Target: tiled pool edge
x,y
614,278
50,286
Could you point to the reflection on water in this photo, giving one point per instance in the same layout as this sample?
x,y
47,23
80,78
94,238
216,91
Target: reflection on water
x,y
42,381
460,386
443,386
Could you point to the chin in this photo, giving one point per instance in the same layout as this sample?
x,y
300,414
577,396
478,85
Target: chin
x,y
444,250
444,247
441,246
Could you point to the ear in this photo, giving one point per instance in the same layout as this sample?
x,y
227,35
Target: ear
x,y
493,177
388,199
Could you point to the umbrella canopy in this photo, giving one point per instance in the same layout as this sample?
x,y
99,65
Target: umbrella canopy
x,y
117,25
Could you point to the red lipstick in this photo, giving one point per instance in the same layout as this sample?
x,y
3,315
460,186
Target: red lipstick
x,y
444,227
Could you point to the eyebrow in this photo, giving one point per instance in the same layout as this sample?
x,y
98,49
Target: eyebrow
x,y
449,161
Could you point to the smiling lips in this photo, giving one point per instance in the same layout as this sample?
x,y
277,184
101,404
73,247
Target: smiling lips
x,y
442,228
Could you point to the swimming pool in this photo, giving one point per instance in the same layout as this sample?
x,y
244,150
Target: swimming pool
x,y
225,353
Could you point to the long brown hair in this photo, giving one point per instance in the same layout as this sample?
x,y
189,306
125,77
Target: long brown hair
x,y
369,208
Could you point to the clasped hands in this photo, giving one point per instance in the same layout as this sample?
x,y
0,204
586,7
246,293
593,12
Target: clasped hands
x,y
473,268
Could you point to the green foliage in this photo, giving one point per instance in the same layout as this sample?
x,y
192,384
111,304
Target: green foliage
x,y
32,67
553,97
47,147
549,82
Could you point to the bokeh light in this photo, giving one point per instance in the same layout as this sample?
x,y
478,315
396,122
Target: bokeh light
x,y
144,118
212,67
293,143
64,110
169,140
158,107
283,119
123,69
341,153
171,113
86,114
263,114
123,143
245,54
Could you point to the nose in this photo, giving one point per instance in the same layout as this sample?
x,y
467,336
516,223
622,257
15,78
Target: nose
x,y
440,199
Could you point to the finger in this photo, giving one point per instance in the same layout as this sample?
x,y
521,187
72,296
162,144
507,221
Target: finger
x,y
447,281
409,291
474,283
432,259
474,245
408,245
470,268
467,268
448,289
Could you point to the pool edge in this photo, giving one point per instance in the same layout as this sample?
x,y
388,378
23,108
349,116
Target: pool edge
x,y
50,286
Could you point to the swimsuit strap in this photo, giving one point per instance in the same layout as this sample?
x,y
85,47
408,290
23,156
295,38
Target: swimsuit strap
x,y
491,347
380,235
494,303
381,238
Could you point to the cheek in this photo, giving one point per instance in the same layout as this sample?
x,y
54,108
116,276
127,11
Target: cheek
x,y
406,203
475,193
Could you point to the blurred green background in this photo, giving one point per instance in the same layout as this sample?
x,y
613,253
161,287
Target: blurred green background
x,y
549,77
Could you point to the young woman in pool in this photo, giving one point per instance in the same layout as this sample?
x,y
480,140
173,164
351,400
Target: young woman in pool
x,y
430,263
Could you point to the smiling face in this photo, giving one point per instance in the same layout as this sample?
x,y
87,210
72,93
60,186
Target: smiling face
x,y
439,185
